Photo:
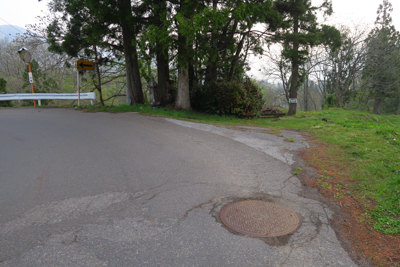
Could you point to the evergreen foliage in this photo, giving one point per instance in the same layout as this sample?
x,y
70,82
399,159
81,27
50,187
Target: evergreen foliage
x,y
382,66
113,25
299,31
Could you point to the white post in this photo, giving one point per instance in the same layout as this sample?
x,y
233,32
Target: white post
x,y
39,102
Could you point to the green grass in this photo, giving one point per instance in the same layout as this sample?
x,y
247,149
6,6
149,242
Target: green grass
x,y
171,113
370,143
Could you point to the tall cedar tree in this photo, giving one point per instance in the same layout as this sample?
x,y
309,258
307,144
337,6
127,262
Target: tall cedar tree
x,y
382,66
109,24
186,10
159,41
300,31
79,39
160,15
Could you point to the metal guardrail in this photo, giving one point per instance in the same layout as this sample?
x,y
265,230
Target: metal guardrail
x,y
40,96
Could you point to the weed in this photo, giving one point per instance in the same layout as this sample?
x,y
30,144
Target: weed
x,y
327,186
339,195
299,169
291,139
295,173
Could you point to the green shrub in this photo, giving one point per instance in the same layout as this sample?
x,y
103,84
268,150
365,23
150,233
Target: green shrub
x,y
241,99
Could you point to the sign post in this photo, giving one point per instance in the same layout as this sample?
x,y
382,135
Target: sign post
x,y
26,56
82,65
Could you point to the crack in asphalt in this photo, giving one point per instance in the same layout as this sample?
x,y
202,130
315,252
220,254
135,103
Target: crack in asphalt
x,y
191,209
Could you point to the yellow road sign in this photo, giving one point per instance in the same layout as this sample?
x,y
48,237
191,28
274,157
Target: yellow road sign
x,y
84,65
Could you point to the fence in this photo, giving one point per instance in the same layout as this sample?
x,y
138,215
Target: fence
x,y
40,96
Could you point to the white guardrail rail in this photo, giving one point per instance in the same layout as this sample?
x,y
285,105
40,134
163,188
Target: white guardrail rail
x,y
40,96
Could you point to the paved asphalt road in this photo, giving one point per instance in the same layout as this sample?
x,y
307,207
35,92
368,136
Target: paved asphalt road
x,y
100,189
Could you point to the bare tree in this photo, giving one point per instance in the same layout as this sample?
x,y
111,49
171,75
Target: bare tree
x,y
345,64
277,69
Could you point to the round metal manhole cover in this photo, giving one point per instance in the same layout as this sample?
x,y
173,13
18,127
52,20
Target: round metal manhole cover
x,y
259,218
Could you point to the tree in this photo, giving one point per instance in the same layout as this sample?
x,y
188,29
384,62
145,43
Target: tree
x,y
382,66
110,25
227,36
11,66
3,90
185,37
43,82
300,31
219,37
53,65
345,65
277,68
159,42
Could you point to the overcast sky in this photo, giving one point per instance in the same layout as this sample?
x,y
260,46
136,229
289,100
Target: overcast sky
x,y
23,12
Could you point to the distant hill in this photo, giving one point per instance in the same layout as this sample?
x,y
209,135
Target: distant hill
x,y
10,32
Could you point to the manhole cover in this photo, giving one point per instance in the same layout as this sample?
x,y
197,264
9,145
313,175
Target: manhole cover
x,y
259,218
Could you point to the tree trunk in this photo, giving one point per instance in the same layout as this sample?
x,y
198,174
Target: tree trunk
x,y
192,76
98,76
133,73
162,64
295,68
211,70
182,100
377,106
131,60
236,58
162,55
